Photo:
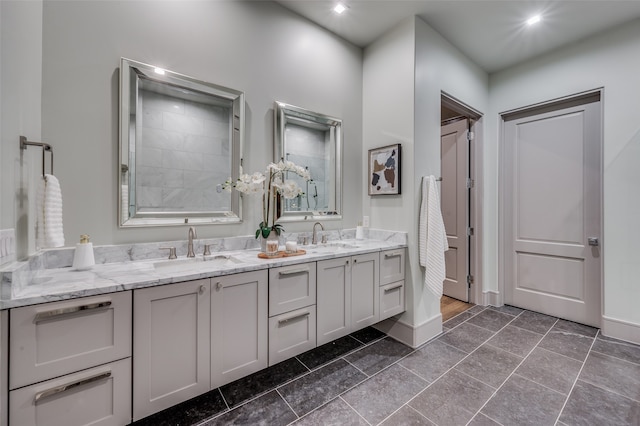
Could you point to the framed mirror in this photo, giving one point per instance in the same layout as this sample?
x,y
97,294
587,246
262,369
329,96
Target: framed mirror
x,y
313,141
180,140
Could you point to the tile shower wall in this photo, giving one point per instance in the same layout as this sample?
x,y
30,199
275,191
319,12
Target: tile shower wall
x,y
185,154
309,148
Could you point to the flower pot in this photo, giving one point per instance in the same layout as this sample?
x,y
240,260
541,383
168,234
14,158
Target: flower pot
x,y
269,245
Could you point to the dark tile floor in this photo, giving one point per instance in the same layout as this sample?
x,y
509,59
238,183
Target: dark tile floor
x,y
492,366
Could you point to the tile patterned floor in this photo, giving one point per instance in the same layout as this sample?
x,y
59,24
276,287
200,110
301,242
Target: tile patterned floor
x,y
492,366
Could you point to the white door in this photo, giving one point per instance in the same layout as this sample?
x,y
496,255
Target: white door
x,y
365,290
239,326
333,307
170,345
454,163
552,204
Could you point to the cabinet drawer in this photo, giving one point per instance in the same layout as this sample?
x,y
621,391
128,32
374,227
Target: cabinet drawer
x,y
291,287
97,396
391,299
392,266
291,334
58,338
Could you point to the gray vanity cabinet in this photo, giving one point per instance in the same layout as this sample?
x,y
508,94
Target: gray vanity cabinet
x,y
238,326
292,311
365,283
70,362
392,267
171,335
347,296
194,336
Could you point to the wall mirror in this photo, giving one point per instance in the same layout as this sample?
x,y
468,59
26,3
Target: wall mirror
x,y
180,139
314,141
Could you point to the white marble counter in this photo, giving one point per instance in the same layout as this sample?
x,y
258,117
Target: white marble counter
x,y
25,284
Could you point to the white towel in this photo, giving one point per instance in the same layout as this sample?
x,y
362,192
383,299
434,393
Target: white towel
x,y
49,221
432,237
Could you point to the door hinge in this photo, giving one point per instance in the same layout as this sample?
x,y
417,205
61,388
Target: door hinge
x,y
469,279
470,183
469,232
470,136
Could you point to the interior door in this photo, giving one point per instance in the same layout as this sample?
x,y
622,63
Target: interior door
x,y
552,205
454,163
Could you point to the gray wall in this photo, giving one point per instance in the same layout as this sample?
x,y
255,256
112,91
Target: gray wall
x,y
409,67
257,47
20,83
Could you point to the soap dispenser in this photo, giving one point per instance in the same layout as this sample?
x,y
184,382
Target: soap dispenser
x,y
83,258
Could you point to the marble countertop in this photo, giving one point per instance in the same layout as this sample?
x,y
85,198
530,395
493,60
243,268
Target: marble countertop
x,y
32,286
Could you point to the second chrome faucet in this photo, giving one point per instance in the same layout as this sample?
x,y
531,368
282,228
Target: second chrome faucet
x,y
192,236
314,237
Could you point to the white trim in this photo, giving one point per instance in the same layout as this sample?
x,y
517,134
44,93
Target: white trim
x,y
475,118
491,298
413,336
621,329
477,197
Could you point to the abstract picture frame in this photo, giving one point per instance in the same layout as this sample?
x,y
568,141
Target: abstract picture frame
x,y
385,170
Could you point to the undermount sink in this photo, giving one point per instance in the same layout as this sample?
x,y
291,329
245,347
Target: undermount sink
x,y
215,261
330,246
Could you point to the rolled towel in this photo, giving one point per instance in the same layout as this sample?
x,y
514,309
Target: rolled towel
x,y
49,233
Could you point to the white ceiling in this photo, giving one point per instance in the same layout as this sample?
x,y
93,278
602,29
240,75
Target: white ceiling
x,y
491,33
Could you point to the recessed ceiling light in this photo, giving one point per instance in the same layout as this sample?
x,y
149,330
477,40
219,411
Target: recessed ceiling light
x,y
339,8
159,71
534,20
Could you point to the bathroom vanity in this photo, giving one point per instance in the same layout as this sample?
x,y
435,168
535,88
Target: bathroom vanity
x,y
157,333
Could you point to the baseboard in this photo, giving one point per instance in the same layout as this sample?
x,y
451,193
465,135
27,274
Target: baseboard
x,y
491,298
620,329
413,336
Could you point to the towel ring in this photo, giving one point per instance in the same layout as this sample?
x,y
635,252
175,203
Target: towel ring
x,y
24,144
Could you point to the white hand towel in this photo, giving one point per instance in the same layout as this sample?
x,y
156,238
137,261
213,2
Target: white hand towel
x,y
49,221
432,237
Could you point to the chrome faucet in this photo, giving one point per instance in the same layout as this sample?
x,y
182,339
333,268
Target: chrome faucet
x,y
192,235
314,238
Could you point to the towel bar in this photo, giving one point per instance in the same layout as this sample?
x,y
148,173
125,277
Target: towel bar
x,y
24,144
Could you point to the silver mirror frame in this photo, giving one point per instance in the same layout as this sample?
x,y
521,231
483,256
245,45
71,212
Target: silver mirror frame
x,y
129,78
284,113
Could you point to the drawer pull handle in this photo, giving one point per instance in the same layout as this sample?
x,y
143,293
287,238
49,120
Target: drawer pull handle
x,y
72,310
293,271
386,290
285,320
390,255
63,388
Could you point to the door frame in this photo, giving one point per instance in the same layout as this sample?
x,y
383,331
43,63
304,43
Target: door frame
x,y
475,202
577,98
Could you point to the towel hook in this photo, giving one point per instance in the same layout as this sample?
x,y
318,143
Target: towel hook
x,y
24,144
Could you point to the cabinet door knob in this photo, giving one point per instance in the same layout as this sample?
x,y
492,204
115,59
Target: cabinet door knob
x,y
218,285
347,262
202,289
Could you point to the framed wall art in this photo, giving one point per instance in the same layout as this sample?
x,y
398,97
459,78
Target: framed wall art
x,y
384,170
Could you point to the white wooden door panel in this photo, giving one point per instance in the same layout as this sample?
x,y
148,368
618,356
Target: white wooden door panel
x,y
365,292
552,206
171,345
333,300
53,339
99,396
455,206
239,326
